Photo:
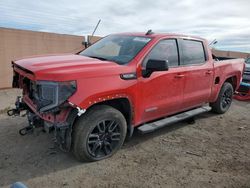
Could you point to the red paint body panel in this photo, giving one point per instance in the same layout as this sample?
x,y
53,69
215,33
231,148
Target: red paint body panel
x,y
162,94
226,69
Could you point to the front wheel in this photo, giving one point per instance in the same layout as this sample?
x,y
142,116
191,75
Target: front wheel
x,y
224,100
99,133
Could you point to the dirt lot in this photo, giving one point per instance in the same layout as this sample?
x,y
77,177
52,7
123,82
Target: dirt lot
x,y
213,152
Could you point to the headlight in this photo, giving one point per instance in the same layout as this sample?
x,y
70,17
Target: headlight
x,y
53,94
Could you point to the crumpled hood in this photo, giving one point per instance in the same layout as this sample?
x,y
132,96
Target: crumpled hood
x,y
63,67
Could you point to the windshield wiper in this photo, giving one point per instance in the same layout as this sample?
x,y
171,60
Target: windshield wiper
x,y
104,59
101,58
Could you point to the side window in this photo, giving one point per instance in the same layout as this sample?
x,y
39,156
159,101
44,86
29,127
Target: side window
x,y
164,50
193,52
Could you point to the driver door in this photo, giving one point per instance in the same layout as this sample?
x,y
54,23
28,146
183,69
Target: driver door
x,y
162,92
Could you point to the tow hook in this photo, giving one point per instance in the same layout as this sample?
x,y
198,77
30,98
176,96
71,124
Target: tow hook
x,y
34,122
26,130
20,106
13,112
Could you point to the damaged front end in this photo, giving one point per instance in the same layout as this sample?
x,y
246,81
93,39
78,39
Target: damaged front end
x,y
46,105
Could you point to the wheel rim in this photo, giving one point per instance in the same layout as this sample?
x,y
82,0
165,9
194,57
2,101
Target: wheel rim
x,y
227,98
104,138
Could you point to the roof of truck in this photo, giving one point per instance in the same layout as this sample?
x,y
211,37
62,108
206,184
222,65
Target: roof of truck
x,y
160,35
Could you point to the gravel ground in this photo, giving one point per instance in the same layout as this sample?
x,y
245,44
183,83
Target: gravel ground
x,y
213,152
7,97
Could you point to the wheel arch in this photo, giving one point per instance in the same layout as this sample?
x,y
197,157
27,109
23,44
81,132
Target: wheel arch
x,y
232,80
123,105
218,83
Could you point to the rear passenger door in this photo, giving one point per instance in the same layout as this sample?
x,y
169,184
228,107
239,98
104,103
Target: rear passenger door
x,y
198,72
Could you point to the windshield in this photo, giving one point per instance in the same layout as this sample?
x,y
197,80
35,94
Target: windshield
x,y
117,48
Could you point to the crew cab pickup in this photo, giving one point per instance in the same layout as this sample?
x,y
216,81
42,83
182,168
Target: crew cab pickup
x,y
93,100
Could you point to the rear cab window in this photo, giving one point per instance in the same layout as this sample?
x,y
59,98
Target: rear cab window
x,y
193,52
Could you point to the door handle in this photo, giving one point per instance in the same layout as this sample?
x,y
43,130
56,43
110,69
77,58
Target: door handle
x,y
179,76
209,72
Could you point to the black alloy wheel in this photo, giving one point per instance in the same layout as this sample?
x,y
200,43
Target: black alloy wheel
x,y
224,99
99,133
104,138
227,98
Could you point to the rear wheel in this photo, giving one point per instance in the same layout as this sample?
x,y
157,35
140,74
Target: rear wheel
x,y
99,133
224,100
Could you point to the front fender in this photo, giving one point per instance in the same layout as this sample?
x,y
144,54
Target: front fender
x,y
91,91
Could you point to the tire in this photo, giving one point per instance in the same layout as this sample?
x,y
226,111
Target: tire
x,y
99,133
224,100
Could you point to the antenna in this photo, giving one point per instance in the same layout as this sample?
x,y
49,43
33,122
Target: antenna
x,y
213,42
149,32
90,38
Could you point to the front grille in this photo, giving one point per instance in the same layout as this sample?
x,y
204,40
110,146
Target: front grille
x,y
246,75
247,72
244,80
243,89
43,94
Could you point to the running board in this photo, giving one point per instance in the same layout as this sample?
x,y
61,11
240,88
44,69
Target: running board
x,y
150,127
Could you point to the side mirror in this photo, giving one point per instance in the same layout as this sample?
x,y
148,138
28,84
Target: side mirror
x,y
154,65
157,65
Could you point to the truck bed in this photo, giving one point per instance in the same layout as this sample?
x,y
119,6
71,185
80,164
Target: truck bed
x,y
225,69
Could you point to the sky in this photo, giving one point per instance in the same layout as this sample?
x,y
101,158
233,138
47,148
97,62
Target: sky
x,y
227,21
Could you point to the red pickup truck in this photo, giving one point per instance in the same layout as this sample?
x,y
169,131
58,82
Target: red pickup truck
x,y
93,100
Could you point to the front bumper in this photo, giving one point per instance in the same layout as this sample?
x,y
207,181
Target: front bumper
x,y
246,75
243,93
58,116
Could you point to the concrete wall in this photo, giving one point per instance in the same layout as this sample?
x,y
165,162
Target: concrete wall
x,y
93,39
15,44
230,54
